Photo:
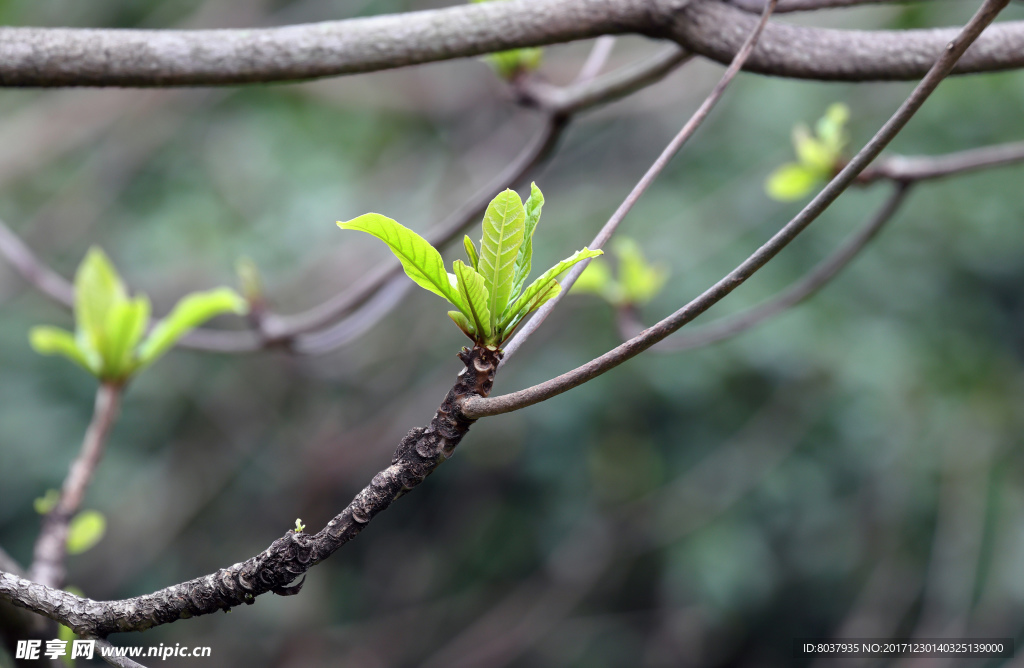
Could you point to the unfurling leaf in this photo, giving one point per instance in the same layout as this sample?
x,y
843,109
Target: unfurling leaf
x,y
55,341
187,314
421,261
109,324
640,280
791,181
97,288
46,502
503,229
85,530
473,290
474,257
527,302
463,323
811,152
524,260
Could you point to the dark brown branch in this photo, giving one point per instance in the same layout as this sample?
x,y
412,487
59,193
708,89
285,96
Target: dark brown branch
x,y
145,58
803,289
674,146
480,407
276,568
51,546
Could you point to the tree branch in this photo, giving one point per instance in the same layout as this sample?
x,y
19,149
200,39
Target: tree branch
x,y
287,558
145,58
361,303
674,146
480,407
828,269
51,546
921,168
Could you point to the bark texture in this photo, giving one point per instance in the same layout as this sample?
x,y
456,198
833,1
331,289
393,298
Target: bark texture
x,y
288,558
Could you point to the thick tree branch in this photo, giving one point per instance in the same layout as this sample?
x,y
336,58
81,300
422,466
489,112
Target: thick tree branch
x,y
287,558
674,146
144,58
51,546
480,407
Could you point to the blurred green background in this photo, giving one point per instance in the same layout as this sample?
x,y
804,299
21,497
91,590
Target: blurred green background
x,y
851,467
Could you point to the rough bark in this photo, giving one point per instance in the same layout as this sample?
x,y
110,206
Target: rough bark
x,y
289,557
144,58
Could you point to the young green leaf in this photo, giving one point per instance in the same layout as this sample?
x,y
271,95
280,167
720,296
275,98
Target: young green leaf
x,y
85,530
126,323
538,299
474,257
473,290
46,502
190,312
524,260
97,288
831,128
811,152
640,279
56,341
503,229
421,261
790,182
542,285
463,323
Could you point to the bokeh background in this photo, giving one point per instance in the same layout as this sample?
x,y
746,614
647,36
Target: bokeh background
x,y
851,467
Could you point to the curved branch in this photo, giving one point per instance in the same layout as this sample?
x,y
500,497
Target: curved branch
x,y
674,146
827,269
145,58
287,558
480,407
51,546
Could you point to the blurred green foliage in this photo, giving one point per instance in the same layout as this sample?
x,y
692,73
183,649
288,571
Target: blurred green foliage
x,y
697,509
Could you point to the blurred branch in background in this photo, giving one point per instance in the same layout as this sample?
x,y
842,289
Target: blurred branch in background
x,y
480,407
351,306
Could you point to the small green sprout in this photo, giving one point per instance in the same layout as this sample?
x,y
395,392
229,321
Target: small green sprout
x,y
488,292
638,280
85,530
819,156
299,526
46,502
110,326
514,62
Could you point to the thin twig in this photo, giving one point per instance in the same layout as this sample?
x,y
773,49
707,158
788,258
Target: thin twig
x,y
51,546
645,181
480,407
807,286
920,168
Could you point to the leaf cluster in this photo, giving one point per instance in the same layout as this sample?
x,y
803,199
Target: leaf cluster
x,y
488,292
819,156
637,280
110,339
